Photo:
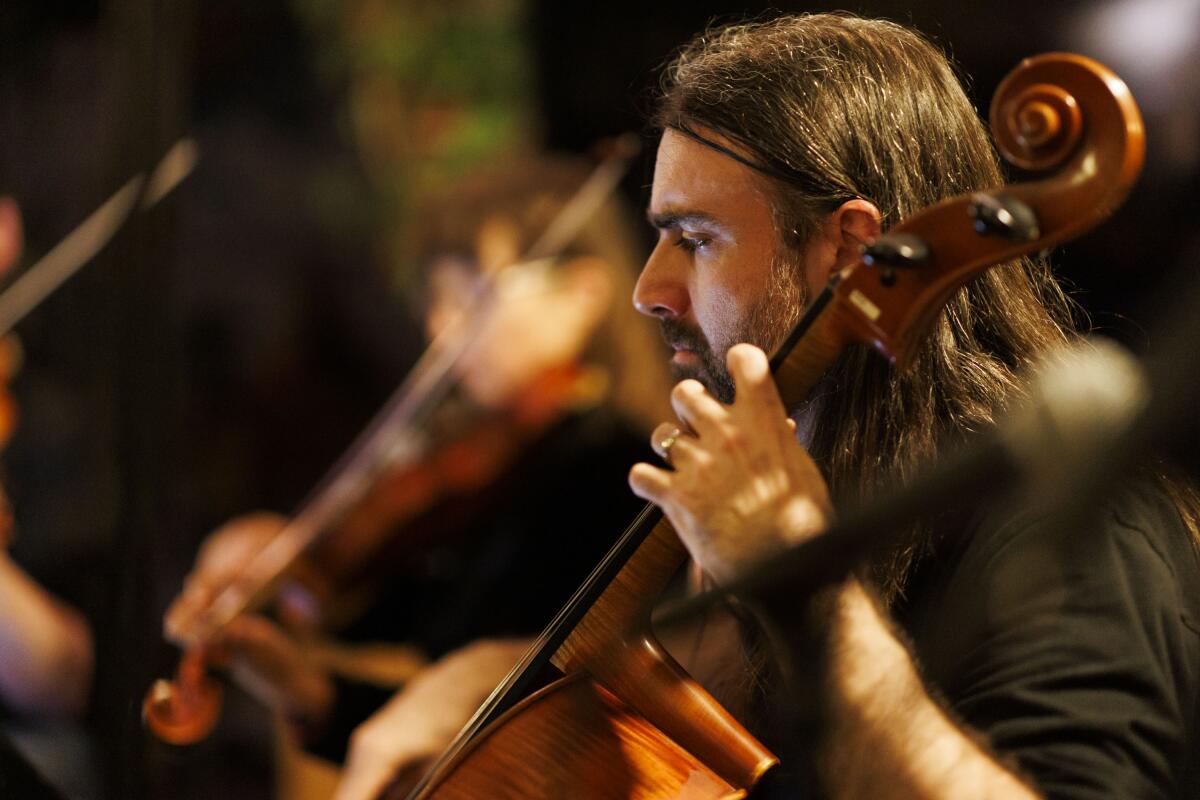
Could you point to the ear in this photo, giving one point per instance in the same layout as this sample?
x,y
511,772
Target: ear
x,y
857,222
851,225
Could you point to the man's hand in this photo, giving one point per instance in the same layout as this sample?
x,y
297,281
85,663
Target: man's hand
x,y
742,486
261,658
401,741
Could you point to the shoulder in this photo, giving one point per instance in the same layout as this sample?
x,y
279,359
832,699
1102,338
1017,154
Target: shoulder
x,y
1072,643
1131,550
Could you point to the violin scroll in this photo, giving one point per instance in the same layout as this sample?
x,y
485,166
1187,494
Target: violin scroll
x,y
185,710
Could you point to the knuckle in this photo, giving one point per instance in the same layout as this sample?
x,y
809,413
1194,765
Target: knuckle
x,y
734,437
687,389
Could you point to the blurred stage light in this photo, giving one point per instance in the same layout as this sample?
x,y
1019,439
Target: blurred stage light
x,y
1153,44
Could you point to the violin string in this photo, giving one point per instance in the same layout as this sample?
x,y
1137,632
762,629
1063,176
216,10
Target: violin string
x,y
427,383
89,237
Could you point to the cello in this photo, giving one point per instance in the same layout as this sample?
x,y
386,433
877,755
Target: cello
x,y
619,718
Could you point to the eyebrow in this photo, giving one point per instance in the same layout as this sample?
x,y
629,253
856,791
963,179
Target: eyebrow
x,y
673,220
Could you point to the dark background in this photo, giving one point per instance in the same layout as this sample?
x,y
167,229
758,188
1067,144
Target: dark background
x,y
226,346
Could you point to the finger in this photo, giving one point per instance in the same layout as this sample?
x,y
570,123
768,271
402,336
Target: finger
x,y
663,438
177,617
668,441
223,557
232,642
757,393
682,451
185,610
369,780
650,483
698,410
406,778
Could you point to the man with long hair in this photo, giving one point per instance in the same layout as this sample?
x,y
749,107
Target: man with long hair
x,y
1009,658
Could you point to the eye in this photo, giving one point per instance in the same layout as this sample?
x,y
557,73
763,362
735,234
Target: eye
x,y
690,243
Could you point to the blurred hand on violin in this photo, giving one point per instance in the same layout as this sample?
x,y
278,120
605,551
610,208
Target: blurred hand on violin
x,y
740,486
399,743
260,656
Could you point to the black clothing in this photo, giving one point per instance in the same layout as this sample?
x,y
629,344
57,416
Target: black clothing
x,y
534,537
1076,653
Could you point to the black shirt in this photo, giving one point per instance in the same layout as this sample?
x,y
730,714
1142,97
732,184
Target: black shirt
x,y
1074,653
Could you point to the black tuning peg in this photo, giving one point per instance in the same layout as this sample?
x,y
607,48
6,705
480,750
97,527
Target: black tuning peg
x,y
892,251
1003,215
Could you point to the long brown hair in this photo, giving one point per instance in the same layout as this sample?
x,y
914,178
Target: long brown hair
x,y
833,107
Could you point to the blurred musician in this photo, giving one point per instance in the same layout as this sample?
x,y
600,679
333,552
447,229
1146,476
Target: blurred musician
x,y
461,598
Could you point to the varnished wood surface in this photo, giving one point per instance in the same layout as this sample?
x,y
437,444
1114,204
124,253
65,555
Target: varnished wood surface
x,y
614,645
575,741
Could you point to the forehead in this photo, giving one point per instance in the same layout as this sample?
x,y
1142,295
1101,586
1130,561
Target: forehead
x,y
692,179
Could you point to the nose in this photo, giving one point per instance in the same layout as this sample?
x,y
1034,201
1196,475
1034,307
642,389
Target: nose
x,y
661,289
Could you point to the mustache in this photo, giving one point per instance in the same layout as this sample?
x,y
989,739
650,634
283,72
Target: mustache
x,y
680,336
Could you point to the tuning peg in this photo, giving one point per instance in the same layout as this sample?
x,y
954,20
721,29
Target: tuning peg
x,y
893,250
1003,215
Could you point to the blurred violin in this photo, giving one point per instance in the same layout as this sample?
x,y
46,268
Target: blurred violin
x,y
320,567
432,498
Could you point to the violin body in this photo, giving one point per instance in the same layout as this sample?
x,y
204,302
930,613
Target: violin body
x,y
432,498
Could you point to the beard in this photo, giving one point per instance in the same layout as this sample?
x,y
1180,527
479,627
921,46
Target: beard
x,y
765,325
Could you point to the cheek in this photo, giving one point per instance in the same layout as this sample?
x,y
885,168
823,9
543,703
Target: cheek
x,y
720,315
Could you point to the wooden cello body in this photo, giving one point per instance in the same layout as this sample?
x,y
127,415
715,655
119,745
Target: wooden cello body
x,y
623,720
